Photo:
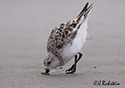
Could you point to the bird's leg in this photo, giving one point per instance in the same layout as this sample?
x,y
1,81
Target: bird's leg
x,y
80,56
73,68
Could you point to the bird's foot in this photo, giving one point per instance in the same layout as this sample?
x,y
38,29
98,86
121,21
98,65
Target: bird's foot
x,y
71,70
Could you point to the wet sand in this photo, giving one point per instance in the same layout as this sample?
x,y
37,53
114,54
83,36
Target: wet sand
x,y
25,27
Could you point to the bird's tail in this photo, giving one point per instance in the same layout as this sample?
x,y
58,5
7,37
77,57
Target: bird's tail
x,y
84,12
76,23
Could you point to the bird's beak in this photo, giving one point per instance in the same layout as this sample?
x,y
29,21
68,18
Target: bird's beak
x,y
47,71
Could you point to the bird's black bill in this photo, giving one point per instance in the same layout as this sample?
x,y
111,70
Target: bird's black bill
x,y
46,72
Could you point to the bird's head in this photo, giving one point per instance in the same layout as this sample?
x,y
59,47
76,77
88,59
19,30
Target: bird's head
x,y
51,61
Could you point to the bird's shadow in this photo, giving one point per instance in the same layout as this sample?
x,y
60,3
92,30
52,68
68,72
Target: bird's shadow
x,y
64,75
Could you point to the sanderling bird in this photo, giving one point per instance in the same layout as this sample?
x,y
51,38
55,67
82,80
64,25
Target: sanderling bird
x,y
65,42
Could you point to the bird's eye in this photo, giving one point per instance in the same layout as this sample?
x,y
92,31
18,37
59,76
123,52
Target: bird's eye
x,y
48,62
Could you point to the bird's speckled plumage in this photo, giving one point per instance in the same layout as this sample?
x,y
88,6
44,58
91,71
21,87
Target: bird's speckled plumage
x,y
66,40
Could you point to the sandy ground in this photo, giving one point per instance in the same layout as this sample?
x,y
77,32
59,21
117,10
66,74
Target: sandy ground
x,y
25,26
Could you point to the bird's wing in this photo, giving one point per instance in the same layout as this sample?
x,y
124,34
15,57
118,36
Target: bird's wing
x,y
60,37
